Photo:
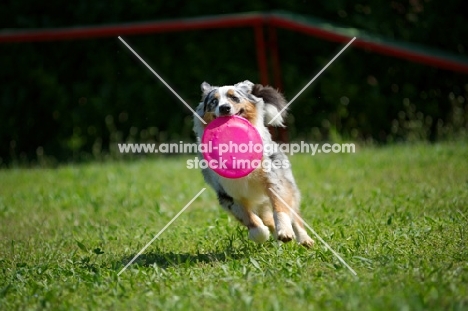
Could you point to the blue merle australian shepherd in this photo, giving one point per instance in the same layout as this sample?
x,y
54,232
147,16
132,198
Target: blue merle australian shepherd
x,y
250,199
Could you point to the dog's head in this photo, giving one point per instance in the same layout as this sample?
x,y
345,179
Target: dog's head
x,y
229,100
257,103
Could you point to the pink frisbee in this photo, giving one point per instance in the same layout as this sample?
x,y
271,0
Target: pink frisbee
x,y
232,146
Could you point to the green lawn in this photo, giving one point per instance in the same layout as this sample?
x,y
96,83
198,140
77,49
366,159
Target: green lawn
x,y
398,215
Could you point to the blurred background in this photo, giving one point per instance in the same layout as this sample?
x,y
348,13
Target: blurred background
x,y
73,99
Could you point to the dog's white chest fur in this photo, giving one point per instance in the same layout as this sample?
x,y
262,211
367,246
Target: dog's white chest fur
x,y
250,189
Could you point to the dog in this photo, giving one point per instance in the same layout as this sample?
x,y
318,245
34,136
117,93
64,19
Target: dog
x,y
250,199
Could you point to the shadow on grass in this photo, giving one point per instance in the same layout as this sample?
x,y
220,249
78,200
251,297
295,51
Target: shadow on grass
x,y
227,252
165,260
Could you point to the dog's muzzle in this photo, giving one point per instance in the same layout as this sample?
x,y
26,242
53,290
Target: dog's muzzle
x,y
225,110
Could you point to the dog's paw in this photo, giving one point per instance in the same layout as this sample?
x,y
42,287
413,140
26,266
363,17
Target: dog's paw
x,y
285,235
302,237
259,234
284,230
307,242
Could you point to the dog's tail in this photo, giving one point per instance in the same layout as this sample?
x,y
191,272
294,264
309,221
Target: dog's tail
x,y
274,103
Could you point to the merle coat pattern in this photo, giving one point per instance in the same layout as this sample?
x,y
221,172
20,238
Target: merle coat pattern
x,y
249,199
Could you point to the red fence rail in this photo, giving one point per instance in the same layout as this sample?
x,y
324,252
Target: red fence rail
x,y
291,22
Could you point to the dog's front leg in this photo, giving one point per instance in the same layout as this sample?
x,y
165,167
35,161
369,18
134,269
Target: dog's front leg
x,y
282,214
258,232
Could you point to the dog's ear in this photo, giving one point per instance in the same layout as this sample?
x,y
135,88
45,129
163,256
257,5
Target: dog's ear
x,y
245,86
206,88
274,103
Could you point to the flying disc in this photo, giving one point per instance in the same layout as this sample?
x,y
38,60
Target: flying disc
x,y
232,146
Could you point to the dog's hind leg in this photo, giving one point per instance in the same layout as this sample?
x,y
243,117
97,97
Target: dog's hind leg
x,y
266,214
258,232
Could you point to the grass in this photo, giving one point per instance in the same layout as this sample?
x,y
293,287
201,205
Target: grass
x,y
397,215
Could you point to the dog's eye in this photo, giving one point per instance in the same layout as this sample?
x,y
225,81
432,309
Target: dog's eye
x,y
234,98
214,102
